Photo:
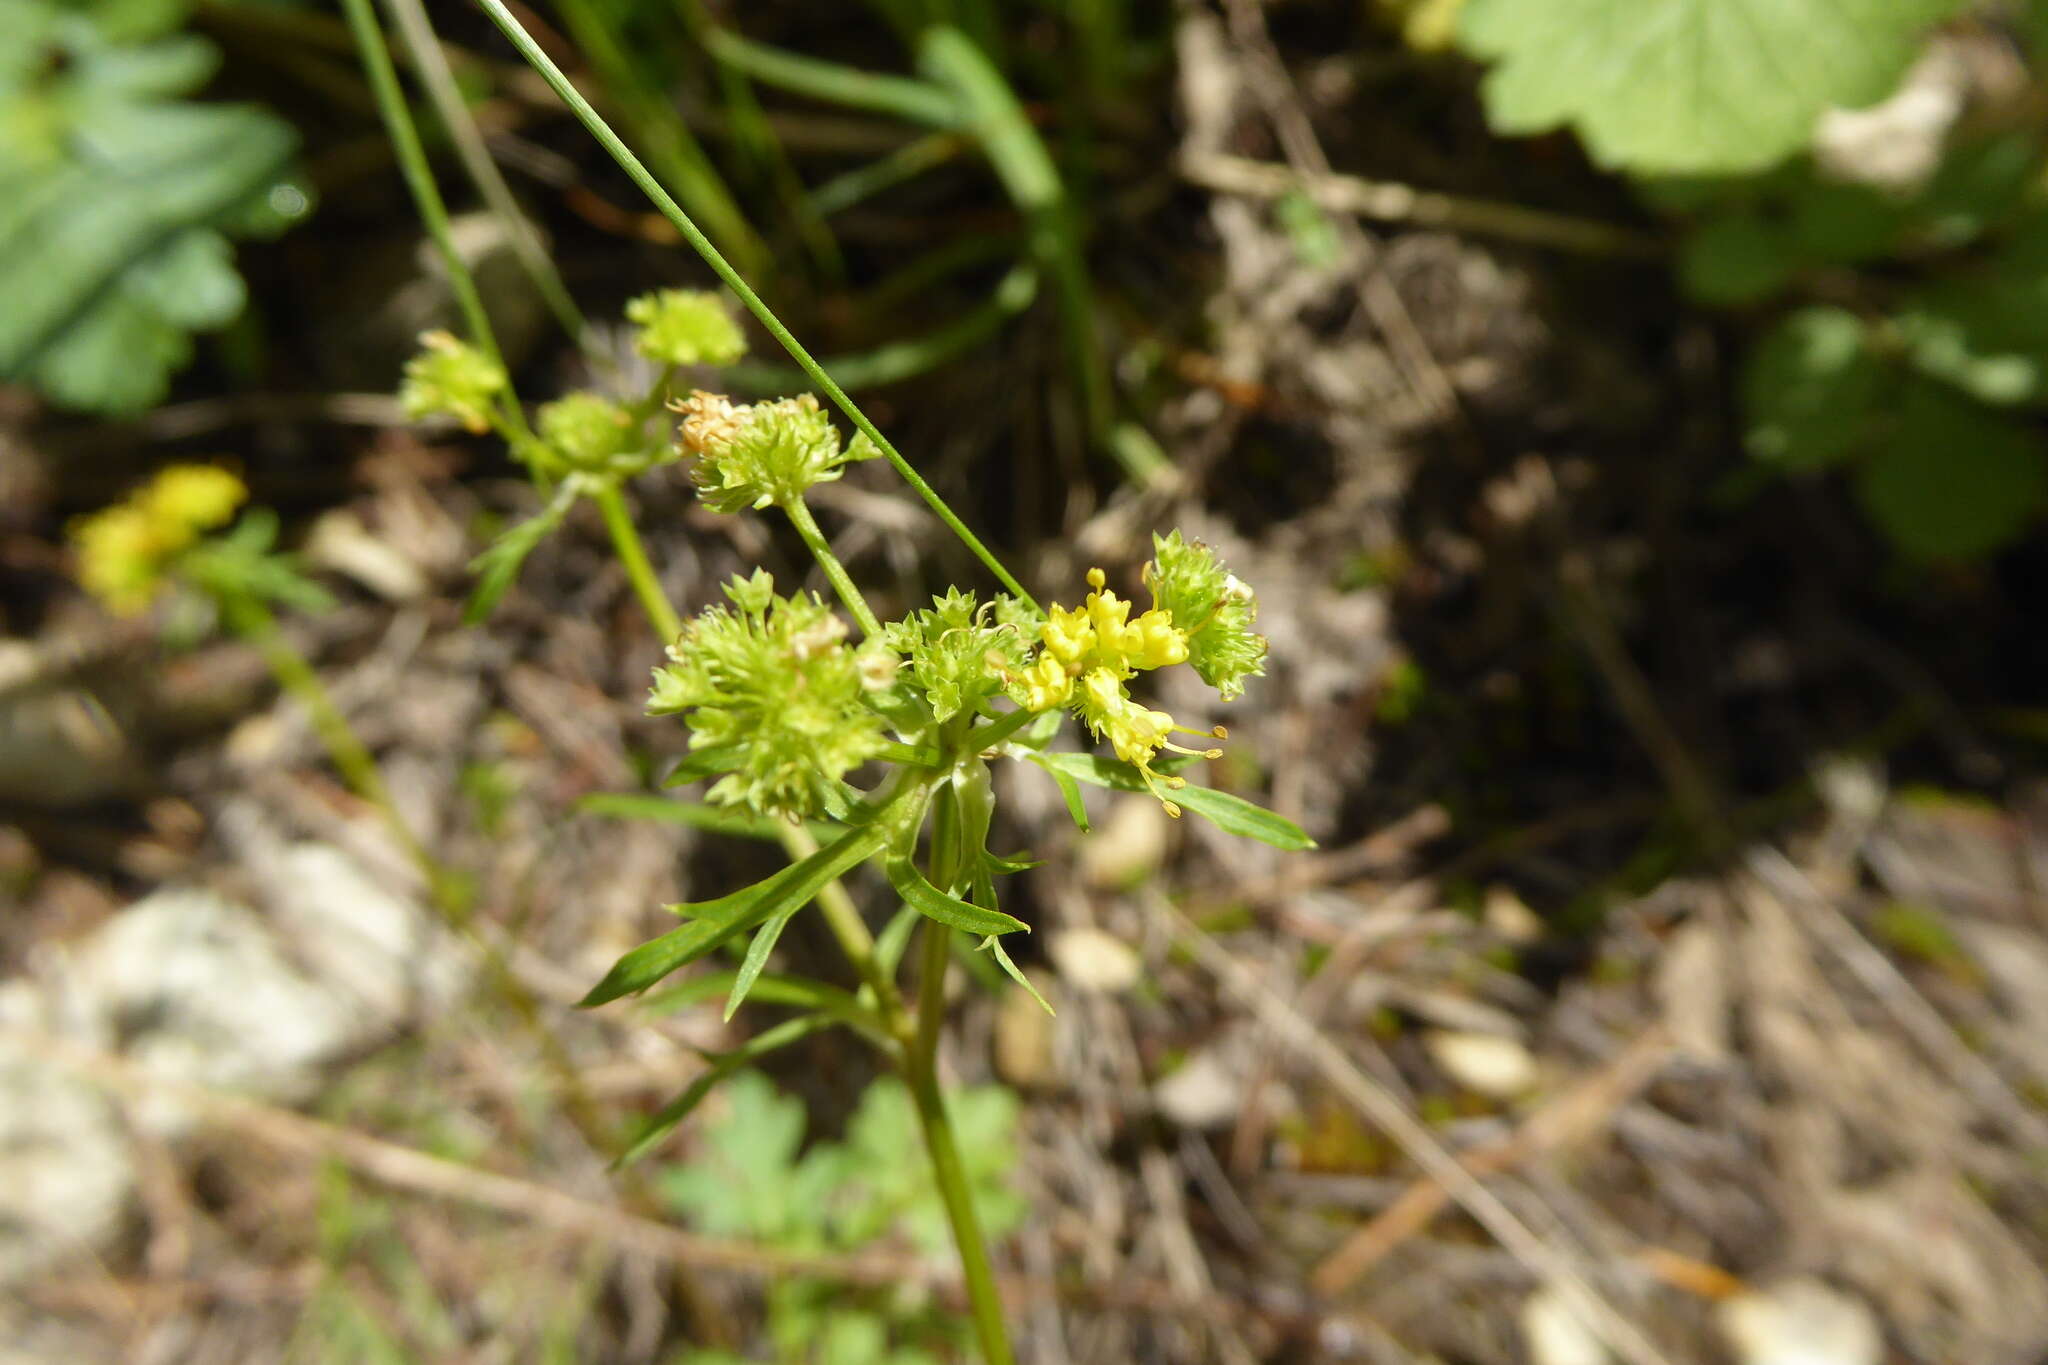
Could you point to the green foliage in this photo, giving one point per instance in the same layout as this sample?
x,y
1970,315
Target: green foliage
x,y
1689,87
117,198
752,1178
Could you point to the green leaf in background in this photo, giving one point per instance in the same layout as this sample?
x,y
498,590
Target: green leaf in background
x,y
114,195
1952,479
1810,390
497,568
1690,87
1987,332
660,1124
1232,814
1737,258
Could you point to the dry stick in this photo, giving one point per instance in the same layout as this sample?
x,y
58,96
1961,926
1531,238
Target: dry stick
x,y
1386,1113
1383,303
1909,1009
608,1225
1391,202
1565,1120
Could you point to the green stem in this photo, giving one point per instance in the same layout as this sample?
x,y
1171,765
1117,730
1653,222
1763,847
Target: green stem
x,y
821,550
599,129
983,1300
430,64
626,541
419,179
253,621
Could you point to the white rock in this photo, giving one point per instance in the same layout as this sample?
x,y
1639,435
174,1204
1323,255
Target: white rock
x,y
1557,1334
194,988
1897,144
1089,959
1485,1063
1204,1093
383,953
1801,1322
66,1181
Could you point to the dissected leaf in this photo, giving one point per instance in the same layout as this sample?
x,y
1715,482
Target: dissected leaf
x,y
1232,814
1690,87
498,566
713,922
1953,479
1810,390
123,190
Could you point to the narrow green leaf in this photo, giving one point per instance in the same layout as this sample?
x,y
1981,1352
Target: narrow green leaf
x,y
1070,792
913,100
994,947
1233,814
756,959
713,922
498,566
935,904
661,1124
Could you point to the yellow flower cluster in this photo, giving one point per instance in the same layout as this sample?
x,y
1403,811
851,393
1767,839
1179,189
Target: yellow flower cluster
x,y
1085,656
124,550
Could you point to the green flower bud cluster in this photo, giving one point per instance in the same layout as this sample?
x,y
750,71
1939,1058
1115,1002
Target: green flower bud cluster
x,y
1212,607
774,697
958,652
685,327
589,432
451,378
762,454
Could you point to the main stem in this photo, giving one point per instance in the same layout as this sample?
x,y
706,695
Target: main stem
x,y
917,1040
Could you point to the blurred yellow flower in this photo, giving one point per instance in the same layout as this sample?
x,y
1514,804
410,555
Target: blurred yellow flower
x,y
124,550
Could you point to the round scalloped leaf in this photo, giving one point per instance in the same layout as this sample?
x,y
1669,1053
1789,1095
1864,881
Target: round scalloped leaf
x,y
1953,480
1809,390
1690,87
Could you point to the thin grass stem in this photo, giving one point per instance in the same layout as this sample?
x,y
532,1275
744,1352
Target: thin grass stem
x,y
631,164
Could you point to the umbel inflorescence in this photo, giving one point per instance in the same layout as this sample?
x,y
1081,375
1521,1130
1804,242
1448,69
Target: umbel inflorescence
x,y
935,666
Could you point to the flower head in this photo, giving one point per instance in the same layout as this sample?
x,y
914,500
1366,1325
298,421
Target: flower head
x,y
762,454
958,651
124,551
451,378
771,681
685,327
590,431
1213,607
1086,656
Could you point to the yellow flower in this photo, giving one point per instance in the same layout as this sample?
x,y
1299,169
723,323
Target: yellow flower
x,y
191,498
1099,646
124,550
